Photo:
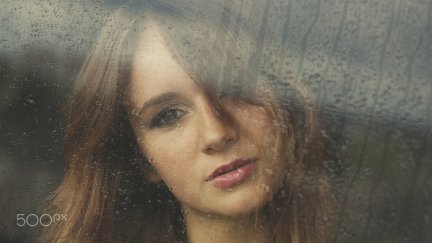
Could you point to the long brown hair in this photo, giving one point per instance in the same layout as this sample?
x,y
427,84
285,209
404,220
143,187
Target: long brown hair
x,y
105,194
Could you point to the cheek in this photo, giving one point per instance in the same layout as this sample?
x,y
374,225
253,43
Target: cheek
x,y
162,154
261,128
170,156
259,123
172,163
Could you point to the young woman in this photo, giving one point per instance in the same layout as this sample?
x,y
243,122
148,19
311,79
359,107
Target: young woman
x,y
177,133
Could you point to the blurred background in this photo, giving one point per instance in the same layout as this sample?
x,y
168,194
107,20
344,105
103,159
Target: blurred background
x,y
42,45
369,62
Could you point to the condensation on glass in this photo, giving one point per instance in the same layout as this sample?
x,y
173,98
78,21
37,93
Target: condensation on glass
x,y
367,63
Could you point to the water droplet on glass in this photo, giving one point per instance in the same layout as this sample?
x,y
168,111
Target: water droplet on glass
x,y
268,171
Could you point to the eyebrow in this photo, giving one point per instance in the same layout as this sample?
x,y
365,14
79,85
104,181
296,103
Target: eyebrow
x,y
158,100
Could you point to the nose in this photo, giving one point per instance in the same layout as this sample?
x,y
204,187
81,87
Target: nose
x,y
218,132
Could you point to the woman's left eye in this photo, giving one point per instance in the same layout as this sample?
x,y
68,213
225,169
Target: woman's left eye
x,y
167,117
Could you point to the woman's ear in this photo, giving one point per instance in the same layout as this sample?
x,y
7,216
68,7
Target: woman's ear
x,y
150,173
153,177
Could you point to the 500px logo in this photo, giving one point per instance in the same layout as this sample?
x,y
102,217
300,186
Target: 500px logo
x,y
44,220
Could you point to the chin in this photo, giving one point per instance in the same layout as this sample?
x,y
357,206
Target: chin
x,y
242,205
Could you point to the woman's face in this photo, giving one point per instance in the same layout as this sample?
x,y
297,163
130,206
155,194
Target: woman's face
x,y
210,164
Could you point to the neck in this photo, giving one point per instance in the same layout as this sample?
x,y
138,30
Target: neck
x,y
202,227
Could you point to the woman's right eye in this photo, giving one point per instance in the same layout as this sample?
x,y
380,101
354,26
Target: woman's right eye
x,y
166,117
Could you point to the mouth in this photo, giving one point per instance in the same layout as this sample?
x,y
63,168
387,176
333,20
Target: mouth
x,y
232,173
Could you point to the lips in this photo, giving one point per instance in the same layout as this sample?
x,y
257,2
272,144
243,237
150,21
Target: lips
x,y
232,173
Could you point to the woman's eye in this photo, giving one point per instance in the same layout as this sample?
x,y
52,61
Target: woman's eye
x,y
166,117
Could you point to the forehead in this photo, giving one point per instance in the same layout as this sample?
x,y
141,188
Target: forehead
x,y
154,69
152,55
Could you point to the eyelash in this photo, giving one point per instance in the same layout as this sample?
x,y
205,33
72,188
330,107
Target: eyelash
x,y
160,121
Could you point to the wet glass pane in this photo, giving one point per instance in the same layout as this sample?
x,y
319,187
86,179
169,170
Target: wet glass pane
x,y
216,121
